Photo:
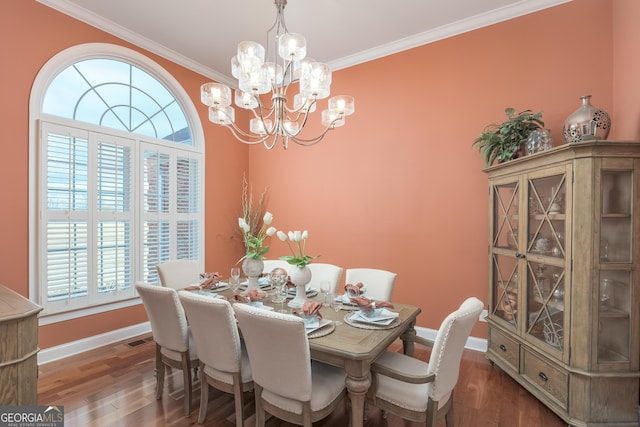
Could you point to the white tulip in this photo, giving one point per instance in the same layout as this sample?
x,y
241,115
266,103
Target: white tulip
x,y
298,235
267,218
292,236
282,236
271,231
305,235
243,225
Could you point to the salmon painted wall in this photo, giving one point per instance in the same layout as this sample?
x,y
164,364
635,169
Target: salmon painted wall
x,y
399,187
626,69
30,34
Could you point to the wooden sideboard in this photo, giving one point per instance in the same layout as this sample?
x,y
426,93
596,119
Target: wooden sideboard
x,y
18,349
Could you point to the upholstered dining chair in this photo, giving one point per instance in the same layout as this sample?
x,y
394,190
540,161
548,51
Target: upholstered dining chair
x,y
270,264
286,384
174,346
378,283
179,273
325,272
224,363
420,391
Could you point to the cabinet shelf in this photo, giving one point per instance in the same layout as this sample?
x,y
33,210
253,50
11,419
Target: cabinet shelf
x,y
613,313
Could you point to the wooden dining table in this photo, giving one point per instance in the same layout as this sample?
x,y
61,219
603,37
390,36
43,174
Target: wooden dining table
x,y
355,348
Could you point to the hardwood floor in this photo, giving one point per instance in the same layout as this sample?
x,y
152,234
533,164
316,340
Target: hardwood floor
x,y
114,386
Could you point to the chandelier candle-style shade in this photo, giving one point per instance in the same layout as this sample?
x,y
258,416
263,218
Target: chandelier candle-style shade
x,y
258,76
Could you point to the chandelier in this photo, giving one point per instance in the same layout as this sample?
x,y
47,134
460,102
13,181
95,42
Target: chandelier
x,y
260,72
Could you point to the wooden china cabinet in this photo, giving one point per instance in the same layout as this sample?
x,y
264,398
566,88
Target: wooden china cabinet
x,y
564,295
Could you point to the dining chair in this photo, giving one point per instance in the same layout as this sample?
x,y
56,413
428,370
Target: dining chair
x,y
378,283
270,264
419,391
286,384
174,346
179,273
325,272
224,363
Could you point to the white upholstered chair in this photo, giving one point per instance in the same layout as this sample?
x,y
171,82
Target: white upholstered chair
x,y
378,283
329,272
224,363
179,273
270,264
420,391
174,345
286,384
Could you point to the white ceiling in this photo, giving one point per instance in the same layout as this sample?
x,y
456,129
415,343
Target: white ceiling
x,y
203,34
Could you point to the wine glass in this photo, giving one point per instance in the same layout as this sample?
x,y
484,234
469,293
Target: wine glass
x,y
336,304
234,280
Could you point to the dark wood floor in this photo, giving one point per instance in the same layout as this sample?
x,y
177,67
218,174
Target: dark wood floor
x,y
114,386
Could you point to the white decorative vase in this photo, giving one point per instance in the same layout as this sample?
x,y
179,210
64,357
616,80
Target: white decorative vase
x,y
299,277
252,268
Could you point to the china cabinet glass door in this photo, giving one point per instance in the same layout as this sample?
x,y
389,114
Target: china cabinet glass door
x,y
545,255
615,256
505,246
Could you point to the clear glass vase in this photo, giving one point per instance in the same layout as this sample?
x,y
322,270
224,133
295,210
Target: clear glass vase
x,y
539,140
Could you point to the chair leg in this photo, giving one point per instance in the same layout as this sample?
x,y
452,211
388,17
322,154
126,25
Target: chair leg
x,y
432,413
448,417
159,373
186,380
238,398
204,399
259,409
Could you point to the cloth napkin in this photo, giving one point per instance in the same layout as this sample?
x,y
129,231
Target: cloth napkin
x,y
209,280
252,295
309,308
366,303
357,288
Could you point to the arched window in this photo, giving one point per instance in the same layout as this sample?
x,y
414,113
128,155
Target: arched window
x,y
119,185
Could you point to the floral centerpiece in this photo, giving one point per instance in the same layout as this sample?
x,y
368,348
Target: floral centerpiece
x,y
254,234
299,240
300,273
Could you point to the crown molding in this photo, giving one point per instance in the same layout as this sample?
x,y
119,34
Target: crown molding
x,y
512,11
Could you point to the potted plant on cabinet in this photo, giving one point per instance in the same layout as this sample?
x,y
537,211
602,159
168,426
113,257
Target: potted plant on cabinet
x,y
502,141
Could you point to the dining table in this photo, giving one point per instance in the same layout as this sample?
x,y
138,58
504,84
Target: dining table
x,y
355,346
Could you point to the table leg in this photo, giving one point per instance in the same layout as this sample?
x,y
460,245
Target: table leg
x,y
357,388
407,341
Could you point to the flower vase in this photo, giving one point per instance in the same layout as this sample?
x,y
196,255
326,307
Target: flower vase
x,y
252,268
586,123
299,277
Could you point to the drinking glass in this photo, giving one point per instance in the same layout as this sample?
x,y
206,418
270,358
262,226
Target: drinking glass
x,y
336,304
234,280
280,295
325,288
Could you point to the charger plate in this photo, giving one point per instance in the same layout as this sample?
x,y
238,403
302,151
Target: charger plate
x,y
357,324
321,332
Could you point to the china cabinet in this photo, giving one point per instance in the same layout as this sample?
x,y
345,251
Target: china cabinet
x,y
563,275
18,349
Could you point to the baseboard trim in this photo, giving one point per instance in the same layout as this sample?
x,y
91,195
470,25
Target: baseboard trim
x,y
80,346
52,354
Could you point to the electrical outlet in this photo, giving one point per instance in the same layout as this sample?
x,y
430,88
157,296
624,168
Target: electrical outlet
x,y
483,315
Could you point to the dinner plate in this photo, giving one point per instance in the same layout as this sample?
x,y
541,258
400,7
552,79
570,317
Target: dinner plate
x,y
311,292
257,304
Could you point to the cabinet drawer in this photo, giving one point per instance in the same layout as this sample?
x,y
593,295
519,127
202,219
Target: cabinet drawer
x,y
552,380
505,347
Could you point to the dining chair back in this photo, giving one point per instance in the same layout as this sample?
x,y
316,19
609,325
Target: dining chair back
x,y
419,391
379,284
224,363
271,264
179,273
174,345
325,272
287,385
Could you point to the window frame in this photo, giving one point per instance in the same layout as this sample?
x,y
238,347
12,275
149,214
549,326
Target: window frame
x,y
47,73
